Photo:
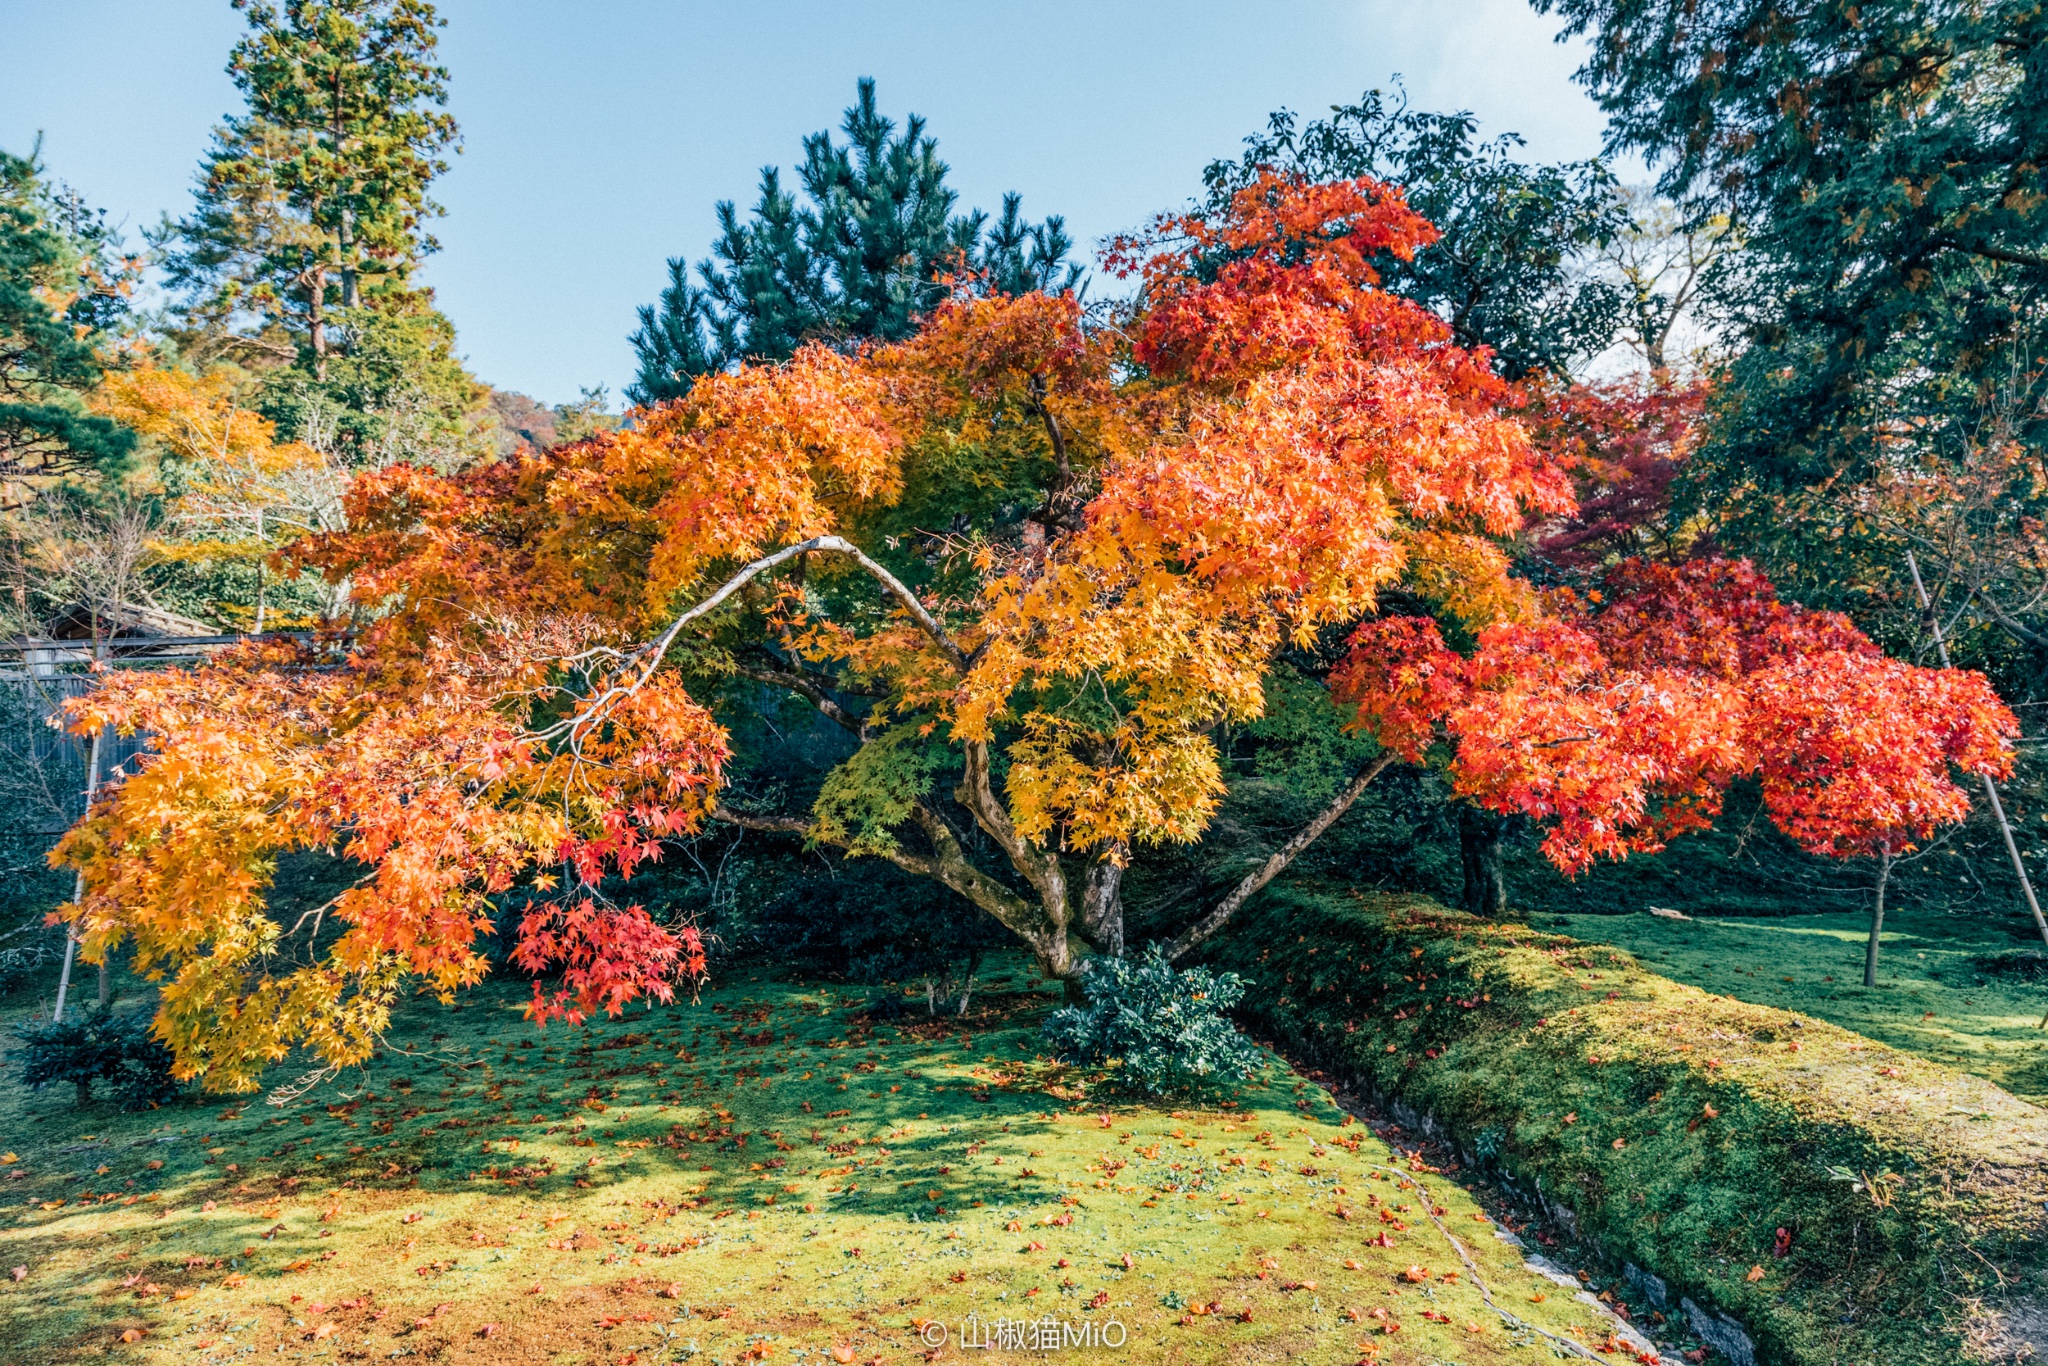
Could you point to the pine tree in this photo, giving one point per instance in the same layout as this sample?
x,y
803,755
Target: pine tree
x,y
315,198
61,289
855,258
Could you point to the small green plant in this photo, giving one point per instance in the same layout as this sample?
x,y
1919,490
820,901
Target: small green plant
x,y
1166,1031
98,1045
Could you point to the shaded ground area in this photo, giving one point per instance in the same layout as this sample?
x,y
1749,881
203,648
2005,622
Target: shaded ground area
x,y
1955,989
768,1175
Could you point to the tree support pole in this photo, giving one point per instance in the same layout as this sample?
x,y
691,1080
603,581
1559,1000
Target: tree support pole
x,y
2012,848
92,782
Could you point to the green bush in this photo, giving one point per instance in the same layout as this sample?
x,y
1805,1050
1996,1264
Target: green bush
x,y
98,1045
1676,1129
1165,1031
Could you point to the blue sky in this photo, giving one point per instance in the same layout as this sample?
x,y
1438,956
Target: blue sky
x,y
599,133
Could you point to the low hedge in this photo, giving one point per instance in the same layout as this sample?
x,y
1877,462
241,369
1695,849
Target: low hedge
x,y
1678,1129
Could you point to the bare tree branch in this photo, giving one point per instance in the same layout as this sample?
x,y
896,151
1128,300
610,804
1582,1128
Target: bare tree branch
x,y
947,864
579,723
809,690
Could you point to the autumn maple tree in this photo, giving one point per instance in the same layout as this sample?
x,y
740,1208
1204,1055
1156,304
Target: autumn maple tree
x,y
1136,512
1027,561
1618,721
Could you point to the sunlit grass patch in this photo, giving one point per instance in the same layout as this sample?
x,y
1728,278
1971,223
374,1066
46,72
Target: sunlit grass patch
x,y
1939,994
770,1172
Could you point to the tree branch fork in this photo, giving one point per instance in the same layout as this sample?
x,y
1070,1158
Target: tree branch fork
x,y
1047,921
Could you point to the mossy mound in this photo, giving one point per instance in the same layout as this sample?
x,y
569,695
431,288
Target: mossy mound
x,y
1681,1130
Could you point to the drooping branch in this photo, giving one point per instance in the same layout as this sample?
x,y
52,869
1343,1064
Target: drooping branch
x,y
838,545
1039,866
807,688
2006,623
952,867
1052,431
1272,867
2011,258
1060,508
580,723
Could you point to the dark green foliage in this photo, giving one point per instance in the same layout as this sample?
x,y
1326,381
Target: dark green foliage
x,y
49,354
1166,1032
2026,965
855,259
1679,1127
815,912
98,1045
28,887
392,389
1501,274
1882,164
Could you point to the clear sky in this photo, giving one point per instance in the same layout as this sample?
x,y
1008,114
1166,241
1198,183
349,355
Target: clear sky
x,y
599,133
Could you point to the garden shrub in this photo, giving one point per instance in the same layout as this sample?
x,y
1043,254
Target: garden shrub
x,y
98,1045
1164,1031
1675,1129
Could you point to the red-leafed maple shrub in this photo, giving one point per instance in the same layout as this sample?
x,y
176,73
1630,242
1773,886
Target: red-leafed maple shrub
x,y
1618,721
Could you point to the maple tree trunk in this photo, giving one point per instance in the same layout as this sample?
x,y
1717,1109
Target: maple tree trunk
x,y
1102,904
1479,836
1884,873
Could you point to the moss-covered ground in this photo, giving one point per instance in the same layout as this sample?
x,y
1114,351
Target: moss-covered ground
x,y
769,1174
1946,987
1848,1201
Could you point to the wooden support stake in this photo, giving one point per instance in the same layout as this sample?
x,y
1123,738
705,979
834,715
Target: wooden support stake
x,y
2012,847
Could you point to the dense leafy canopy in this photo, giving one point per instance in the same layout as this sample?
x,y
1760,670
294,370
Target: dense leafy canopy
x,y
1507,266
1044,576
1252,458
1881,163
1619,721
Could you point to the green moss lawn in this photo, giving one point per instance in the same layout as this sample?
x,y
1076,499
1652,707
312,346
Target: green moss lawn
x,y
767,1175
1935,996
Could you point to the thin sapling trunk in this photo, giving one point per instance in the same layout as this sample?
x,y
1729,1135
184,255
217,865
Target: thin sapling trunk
x,y
1884,873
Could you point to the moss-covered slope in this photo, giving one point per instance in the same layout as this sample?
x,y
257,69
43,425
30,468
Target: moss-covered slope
x,y
1681,1129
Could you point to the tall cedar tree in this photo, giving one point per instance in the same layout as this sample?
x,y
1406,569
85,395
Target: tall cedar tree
x,y
1882,162
60,290
316,197
858,259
